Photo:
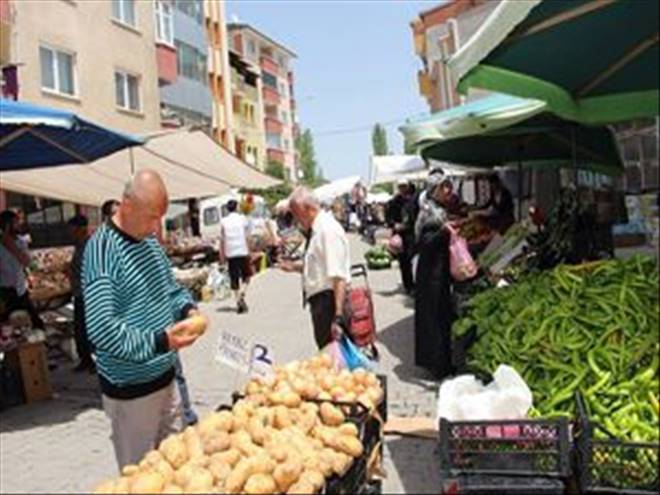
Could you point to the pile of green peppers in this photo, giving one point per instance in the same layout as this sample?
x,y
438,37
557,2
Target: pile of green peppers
x,y
592,328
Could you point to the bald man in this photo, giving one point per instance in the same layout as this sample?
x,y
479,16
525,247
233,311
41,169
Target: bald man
x,y
136,318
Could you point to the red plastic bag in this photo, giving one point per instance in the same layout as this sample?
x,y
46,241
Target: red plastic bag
x,y
461,264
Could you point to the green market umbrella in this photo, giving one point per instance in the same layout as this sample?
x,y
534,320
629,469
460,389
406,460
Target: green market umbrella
x,y
592,61
500,130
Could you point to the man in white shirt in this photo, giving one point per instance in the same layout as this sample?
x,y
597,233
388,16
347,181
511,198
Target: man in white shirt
x,y
14,260
234,247
325,268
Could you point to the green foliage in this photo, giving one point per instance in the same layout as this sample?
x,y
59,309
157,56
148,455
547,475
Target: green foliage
x,y
307,159
273,194
409,147
379,140
275,169
387,187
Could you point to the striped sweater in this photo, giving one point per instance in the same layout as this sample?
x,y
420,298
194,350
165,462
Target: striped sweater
x,y
131,298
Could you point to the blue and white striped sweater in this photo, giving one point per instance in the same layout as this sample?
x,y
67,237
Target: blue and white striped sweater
x,y
131,298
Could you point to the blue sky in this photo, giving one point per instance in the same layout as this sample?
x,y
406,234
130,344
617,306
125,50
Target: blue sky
x,y
356,66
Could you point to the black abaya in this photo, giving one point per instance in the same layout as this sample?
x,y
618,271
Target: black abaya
x,y
433,302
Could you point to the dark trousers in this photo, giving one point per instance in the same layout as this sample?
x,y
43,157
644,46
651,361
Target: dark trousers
x,y
189,414
405,266
80,331
12,302
322,308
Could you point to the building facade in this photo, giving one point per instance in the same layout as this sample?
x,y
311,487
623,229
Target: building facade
x,y
438,33
186,100
272,61
219,73
95,58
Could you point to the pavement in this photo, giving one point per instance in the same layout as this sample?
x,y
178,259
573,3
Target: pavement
x,y
63,446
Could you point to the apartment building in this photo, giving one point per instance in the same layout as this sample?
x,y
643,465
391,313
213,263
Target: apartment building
x,y
219,73
272,62
95,58
186,98
438,33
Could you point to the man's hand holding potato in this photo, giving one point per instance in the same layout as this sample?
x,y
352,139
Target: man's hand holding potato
x,y
186,332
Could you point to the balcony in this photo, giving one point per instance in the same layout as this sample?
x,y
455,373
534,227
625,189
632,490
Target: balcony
x,y
425,83
273,125
269,65
275,155
166,61
271,95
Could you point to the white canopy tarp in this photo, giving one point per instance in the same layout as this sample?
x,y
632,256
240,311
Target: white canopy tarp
x,y
328,192
190,162
390,168
379,197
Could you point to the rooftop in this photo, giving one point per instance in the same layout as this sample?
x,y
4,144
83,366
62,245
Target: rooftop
x,y
238,26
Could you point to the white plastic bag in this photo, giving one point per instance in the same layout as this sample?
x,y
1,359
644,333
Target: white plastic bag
x,y
464,398
218,282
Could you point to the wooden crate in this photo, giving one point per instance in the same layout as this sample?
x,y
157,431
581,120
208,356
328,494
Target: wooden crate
x,y
31,361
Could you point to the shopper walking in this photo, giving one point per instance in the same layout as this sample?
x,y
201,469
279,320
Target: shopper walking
x,y
400,218
433,310
108,209
325,267
135,320
234,248
79,229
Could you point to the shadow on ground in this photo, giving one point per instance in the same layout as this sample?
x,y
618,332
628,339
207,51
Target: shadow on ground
x,y
73,394
399,339
417,465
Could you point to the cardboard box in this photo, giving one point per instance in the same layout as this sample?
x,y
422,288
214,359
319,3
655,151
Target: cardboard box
x,y
31,361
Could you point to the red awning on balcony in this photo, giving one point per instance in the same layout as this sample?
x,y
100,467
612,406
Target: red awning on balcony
x,y
275,155
269,65
271,95
273,126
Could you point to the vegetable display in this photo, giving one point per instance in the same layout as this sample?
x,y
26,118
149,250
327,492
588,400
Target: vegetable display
x,y
591,328
272,441
378,258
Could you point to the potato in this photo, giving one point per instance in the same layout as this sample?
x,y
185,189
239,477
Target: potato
x,y
324,396
263,464
239,423
302,487
314,478
164,469
331,415
375,394
342,462
253,387
286,474
242,442
196,326
350,445
225,420
174,450
244,408
123,485
230,457
307,422
349,429
130,470
217,441
107,487
282,417
184,473
366,401
277,452
239,475
257,430
200,481
260,484
172,489
147,482
193,443
327,383
219,469
291,399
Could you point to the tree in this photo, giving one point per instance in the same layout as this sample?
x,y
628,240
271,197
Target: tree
x,y
409,147
275,169
307,159
379,140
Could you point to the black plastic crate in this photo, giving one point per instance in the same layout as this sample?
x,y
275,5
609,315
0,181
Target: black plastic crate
x,y
352,481
611,466
382,407
516,456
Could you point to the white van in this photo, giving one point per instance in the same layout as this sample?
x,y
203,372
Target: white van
x,y
212,210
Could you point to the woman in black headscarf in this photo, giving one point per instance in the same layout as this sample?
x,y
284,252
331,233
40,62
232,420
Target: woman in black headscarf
x,y
433,281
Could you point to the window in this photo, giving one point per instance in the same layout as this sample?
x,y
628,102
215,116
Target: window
x,y
252,47
284,117
191,63
124,11
164,25
287,144
211,216
274,141
57,70
192,8
127,91
269,80
282,89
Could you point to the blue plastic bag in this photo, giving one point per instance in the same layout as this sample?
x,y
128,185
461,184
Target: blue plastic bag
x,y
352,355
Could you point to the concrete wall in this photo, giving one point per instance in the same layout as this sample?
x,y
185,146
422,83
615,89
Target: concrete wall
x,y
188,93
101,45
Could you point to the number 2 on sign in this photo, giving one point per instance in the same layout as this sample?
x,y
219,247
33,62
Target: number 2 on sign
x,y
261,354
